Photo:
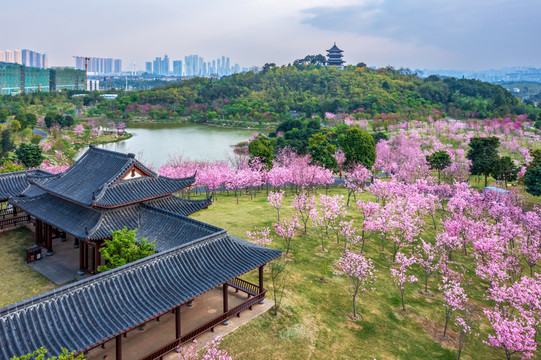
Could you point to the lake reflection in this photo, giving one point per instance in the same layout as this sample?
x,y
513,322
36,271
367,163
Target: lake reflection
x,y
198,142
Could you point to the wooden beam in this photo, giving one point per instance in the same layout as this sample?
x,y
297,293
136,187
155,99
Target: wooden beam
x,y
177,323
118,347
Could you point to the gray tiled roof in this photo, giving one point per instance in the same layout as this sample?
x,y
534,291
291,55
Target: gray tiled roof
x,y
95,180
168,229
179,205
134,190
87,313
12,184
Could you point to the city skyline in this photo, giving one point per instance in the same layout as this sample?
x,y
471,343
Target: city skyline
x,y
415,34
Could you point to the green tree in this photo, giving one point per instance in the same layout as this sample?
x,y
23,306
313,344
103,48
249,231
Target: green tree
x,y
359,147
505,170
41,354
321,151
68,120
50,118
31,120
15,125
6,143
124,248
9,166
30,155
532,180
21,118
261,147
483,154
36,138
3,115
379,136
439,160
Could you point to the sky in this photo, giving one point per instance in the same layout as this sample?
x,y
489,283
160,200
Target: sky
x,y
417,34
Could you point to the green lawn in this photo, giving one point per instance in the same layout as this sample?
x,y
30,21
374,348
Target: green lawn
x,y
19,281
315,323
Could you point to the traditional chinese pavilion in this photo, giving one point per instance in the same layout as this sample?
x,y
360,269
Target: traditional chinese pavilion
x,y
334,56
105,191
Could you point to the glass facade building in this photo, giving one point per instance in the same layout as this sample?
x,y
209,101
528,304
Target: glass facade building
x,y
16,79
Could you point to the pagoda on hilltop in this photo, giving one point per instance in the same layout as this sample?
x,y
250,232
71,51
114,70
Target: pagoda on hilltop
x,y
334,56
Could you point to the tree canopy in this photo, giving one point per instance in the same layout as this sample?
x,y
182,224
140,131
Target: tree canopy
x,y
124,248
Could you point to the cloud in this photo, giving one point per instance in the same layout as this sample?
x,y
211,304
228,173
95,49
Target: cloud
x,y
474,31
414,33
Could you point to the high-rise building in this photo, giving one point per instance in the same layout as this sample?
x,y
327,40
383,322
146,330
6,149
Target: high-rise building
x,y
9,56
1,56
177,67
166,67
99,65
148,67
117,66
17,56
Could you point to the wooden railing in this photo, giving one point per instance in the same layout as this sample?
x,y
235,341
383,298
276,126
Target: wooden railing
x,y
6,212
158,354
14,221
245,286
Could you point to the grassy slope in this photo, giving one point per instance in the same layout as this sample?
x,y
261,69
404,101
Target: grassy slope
x,y
314,322
19,281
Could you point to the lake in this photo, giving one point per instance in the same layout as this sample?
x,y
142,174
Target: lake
x,y
151,143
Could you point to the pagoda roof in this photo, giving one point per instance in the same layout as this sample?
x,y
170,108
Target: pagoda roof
x,y
164,222
98,179
112,301
335,49
14,183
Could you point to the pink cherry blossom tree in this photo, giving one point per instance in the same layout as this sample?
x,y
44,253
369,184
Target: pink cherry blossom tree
x,y
333,209
360,272
400,275
514,334
79,129
275,200
454,296
428,257
260,236
286,229
304,205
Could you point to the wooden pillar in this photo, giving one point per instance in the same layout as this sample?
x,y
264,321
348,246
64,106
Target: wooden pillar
x,y
177,322
98,257
93,250
261,289
261,279
226,303
49,239
85,257
81,258
37,228
118,347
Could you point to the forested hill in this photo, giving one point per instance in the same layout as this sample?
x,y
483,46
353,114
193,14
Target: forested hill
x,y
272,93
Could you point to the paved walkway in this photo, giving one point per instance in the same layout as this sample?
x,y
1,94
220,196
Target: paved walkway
x,y
139,343
62,267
